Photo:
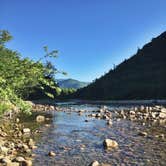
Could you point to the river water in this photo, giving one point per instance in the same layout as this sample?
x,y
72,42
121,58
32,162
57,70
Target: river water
x,y
78,143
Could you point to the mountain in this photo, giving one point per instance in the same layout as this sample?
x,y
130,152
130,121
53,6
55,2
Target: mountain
x,y
71,83
143,76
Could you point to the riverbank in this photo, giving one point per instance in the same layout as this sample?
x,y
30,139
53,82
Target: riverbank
x,y
20,132
24,139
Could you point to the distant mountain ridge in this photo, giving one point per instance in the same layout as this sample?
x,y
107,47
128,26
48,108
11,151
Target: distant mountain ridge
x,y
71,83
143,76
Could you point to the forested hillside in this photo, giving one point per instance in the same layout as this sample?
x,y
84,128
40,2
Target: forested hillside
x,y
143,76
71,83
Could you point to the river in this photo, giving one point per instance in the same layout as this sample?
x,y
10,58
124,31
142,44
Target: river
x,y
77,142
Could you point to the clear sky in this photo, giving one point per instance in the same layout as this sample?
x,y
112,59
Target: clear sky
x,y
91,35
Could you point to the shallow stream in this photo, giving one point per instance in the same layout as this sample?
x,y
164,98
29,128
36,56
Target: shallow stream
x,y
78,143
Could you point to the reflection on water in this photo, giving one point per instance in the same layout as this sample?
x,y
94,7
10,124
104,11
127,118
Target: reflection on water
x,y
77,142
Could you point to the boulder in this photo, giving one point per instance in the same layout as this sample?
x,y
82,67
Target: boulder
x,y
109,144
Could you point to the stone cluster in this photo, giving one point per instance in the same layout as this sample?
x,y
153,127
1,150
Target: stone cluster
x,y
154,114
17,141
45,107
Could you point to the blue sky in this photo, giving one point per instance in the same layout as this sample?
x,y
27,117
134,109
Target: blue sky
x,y
91,35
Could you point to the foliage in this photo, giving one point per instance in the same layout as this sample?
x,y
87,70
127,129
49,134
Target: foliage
x,y
20,76
65,92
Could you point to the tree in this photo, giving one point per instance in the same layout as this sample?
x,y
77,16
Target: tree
x,y
20,76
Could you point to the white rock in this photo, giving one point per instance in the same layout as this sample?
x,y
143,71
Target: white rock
x,y
109,122
26,130
40,118
132,112
163,110
94,163
3,150
19,159
162,115
51,154
108,143
98,115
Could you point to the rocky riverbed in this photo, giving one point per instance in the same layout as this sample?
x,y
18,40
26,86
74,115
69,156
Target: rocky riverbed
x,y
19,133
85,135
